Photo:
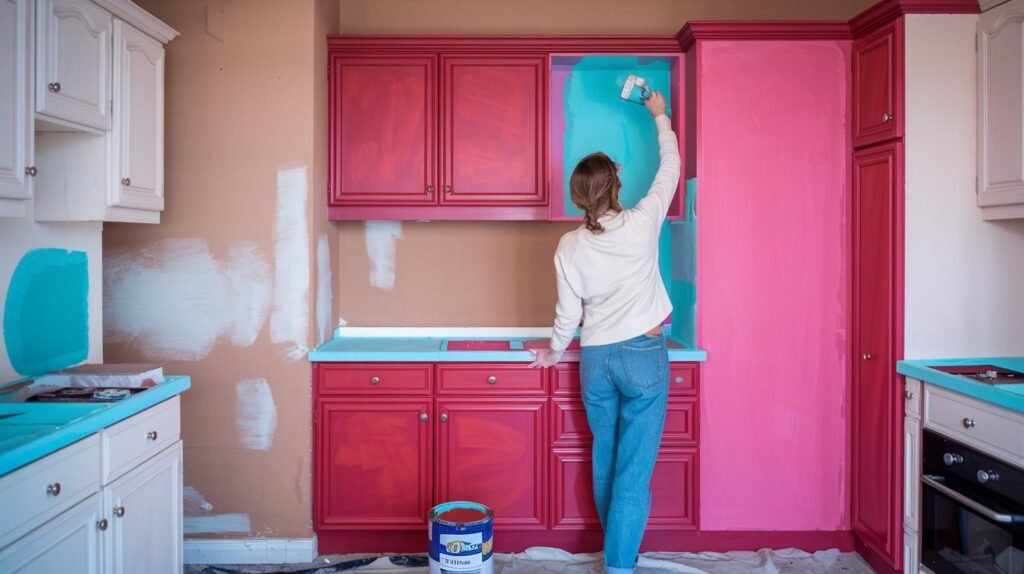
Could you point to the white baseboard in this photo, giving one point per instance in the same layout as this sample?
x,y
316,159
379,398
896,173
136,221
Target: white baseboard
x,y
250,550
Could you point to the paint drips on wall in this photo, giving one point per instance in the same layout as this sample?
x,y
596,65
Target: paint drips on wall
x,y
324,288
381,237
174,300
289,321
255,414
46,311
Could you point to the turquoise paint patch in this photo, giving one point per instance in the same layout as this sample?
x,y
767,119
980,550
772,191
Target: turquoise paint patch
x,y
597,119
684,271
46,312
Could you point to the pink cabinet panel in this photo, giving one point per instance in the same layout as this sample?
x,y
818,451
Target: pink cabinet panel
x,y
492,451
372,461
876,407
572,490
493,130
878,86
674,490
383,135
569,421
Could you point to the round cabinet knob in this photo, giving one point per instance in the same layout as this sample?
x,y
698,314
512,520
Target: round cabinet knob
x,y
447,189
968,423
492,380
126,181
987,476
151,435
886,117
430,189
951,458
53,489
679,379
31,171
424,416
867,356
102,524
908,395
119,511
54,87
444,417
374,380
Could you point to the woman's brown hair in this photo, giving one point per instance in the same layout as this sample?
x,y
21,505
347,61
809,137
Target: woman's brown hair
x,y
594,188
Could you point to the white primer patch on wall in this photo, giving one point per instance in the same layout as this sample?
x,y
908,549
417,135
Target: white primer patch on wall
x,y
381,237
217,523
255,414
323,288
289,321
174,300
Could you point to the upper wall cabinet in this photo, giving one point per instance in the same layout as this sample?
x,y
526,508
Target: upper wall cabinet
x,y
383,130
493,130
73,64
1001,112
878,86
16,155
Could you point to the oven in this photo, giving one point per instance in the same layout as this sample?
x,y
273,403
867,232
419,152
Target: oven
x,y
972,510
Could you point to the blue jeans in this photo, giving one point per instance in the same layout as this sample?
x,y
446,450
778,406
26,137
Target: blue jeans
x,y
625,391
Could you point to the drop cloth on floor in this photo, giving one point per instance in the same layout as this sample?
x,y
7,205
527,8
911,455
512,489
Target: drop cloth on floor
x,y
540,560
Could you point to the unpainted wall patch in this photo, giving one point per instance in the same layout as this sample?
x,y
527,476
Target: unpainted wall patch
x,y
381,239
289,320
255,414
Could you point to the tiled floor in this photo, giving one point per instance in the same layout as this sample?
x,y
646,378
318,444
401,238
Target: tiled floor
x,y
550,560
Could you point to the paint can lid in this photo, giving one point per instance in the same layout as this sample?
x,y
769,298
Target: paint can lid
x,y
461,513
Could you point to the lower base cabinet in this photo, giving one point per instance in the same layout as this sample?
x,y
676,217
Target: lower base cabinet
x,y
392,440
69,543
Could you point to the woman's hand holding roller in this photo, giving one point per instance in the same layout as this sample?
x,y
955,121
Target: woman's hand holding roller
x,y
655,103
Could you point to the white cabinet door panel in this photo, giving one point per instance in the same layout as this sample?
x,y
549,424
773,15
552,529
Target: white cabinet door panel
x,y
69,543
15,109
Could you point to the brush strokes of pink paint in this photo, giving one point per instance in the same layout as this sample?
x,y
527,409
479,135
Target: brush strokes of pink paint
x,y
773,255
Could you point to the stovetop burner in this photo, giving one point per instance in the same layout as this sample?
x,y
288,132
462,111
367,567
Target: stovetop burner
x,y
987,374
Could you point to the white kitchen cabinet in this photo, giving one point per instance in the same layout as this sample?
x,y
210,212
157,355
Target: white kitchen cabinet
x,y
145,509
1001,111
73,61
72,542
138,135
16,140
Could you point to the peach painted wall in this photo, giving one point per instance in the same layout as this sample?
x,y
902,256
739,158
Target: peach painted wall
x,y
485,274
772,168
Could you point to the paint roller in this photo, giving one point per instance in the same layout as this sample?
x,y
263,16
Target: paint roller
x,y
635,89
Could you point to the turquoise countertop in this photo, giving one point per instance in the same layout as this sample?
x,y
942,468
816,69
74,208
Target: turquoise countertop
x,y
30,431
435,350
1008,396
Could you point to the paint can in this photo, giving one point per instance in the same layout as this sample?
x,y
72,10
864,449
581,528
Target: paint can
x,y
461,538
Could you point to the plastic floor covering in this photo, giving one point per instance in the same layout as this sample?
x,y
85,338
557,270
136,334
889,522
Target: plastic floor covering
x,y
543,560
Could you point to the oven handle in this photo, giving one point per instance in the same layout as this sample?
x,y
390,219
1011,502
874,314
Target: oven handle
x,y
972,504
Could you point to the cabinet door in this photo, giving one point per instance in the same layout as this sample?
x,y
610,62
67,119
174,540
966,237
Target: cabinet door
x,y
491,451
69,543
144,509
877,410
373,463
16,137
138,159
1001,106
493,140
878,86
73,62
382,121
572,494
911,473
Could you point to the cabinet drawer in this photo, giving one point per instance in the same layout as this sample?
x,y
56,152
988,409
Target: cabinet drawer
x,y
40,491
501,379
681,426
565,379
978,424
570,422
375,379
132,441
912,397
683,379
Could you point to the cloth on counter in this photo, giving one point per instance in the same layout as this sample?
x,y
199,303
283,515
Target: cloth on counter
x,y
543,560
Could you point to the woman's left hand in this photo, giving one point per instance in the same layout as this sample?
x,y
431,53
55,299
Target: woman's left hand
x,y
544,358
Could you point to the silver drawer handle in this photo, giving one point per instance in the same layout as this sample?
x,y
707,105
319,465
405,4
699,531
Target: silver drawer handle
x,y
970,503
968,423
492,380
374,380
151,435
53,489
54,87
424,416
102,524
119,511
886,117
679,379
31,171
126,181
908,394
444,417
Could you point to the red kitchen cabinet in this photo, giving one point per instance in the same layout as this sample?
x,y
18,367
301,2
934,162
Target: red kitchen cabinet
x,y
493,138
878,85
492,451
373,463
876,404
383,136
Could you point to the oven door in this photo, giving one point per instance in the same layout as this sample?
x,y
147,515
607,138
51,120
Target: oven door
x,y
966,530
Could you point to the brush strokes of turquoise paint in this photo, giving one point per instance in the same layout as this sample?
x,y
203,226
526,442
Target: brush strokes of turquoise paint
x,y
46,311
684,271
